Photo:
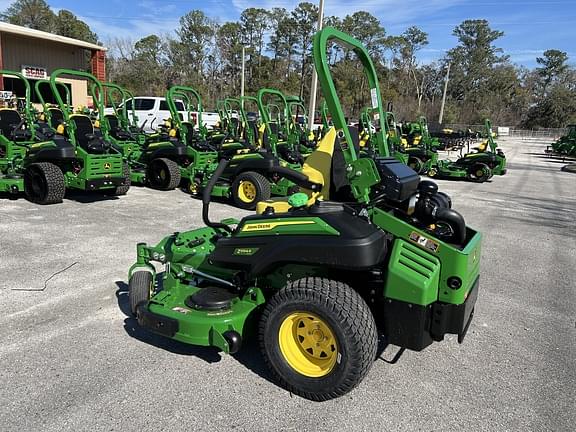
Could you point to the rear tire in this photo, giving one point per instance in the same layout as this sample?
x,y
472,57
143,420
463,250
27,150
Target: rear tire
x,y
139,289
44,183
249,188
163,174
479,172
319,338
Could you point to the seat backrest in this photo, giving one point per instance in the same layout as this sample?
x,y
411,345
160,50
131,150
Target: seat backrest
x,y
9,118
84,127
56,117
318,165
113,121
188,128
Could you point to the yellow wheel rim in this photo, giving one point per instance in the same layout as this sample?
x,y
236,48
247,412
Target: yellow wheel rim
x,y
479,173
308,344
163,175
246,191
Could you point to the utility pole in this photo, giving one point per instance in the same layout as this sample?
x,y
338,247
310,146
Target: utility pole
x,y
314,85
243,67
444,96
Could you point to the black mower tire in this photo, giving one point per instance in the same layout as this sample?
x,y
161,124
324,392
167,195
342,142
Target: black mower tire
x,y
350,324
416,164
121,190
479,172
139,289
163,174
259,190
44,183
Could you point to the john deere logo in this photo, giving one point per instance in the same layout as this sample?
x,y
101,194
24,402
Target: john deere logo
x,y
107,166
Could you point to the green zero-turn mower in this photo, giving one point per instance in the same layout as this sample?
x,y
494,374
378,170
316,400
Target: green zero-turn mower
x,y
153,161
368,126
321,278
30,160
298,118
477,166
97,165
566,145
279,136
251,175
51,116
44,162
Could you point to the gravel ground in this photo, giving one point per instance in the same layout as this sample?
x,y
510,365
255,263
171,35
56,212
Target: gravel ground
x,y
71,359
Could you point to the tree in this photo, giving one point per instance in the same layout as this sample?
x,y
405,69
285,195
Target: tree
x,y
286,38
472,62
189,51
229,42
305,16
67,24
367,29
35,14
553,66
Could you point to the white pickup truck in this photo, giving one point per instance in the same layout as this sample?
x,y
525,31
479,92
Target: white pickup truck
x,y
152,111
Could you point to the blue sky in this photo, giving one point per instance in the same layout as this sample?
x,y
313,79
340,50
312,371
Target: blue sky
x,y
530,26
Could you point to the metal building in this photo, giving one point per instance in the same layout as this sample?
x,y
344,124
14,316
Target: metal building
x,y
36,54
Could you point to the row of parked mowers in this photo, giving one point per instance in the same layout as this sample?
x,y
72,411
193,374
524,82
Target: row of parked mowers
x,y
44,154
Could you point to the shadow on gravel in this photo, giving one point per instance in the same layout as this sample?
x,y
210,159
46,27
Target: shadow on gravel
x,y
249,355
88,197
11,197
516,166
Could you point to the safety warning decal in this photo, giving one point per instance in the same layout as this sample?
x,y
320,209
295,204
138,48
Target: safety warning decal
x,y
425,242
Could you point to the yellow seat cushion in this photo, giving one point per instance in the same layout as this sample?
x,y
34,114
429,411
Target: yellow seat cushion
x,y
279,204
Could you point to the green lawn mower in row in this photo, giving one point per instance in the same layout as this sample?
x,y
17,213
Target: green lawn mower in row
x,y
477,166
154,161
566,145
367,250
251,176
45,158
298,118
368,126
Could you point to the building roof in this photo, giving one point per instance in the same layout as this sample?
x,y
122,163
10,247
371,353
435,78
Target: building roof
x,y
28,32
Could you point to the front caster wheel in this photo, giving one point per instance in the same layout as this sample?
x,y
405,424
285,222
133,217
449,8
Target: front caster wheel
x,y
319,338
139,289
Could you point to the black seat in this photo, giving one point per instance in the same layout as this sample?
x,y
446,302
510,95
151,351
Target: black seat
x,y
85,136
115,130
9,120
56,117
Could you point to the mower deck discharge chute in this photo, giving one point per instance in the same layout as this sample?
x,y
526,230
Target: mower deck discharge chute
x,y
369,249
